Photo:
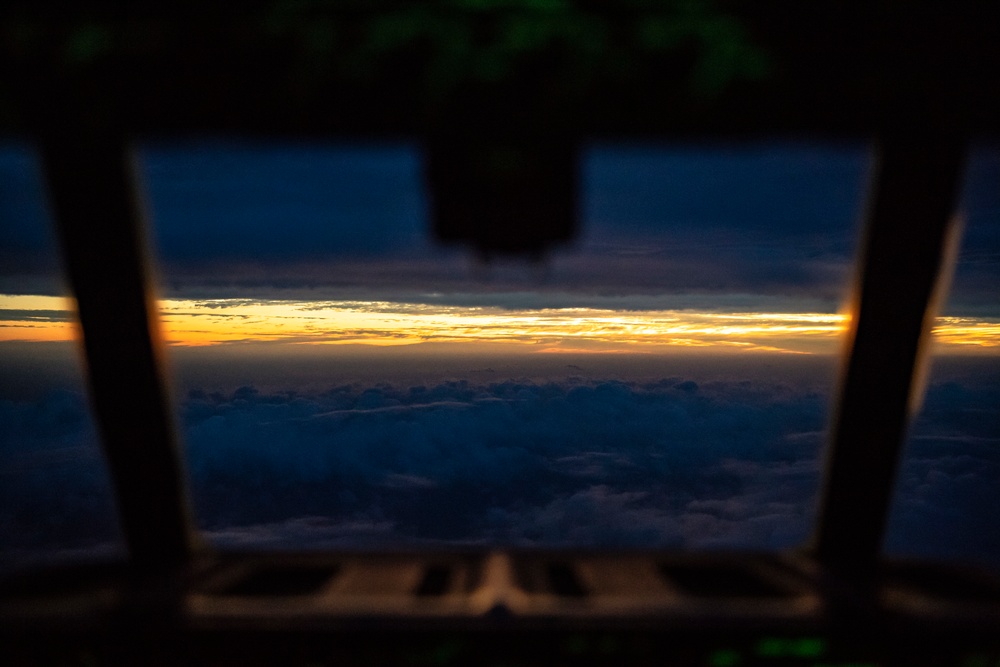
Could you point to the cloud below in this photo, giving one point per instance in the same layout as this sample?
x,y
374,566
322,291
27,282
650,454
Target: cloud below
x,y
682,461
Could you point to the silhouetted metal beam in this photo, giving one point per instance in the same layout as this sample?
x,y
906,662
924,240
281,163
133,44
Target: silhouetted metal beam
x,y
910,223
100,224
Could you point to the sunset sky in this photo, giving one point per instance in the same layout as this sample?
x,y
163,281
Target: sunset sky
x,y
666,380
556,330
728,248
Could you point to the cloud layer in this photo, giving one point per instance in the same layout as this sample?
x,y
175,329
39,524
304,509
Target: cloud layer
x,y
576,462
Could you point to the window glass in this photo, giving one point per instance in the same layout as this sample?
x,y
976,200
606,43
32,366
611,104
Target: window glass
x,y
661,381
55,494
949,480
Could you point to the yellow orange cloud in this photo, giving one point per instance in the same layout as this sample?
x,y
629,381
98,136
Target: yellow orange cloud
x,y
230,321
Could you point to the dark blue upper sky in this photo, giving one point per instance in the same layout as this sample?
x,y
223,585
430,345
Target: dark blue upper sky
x,y
768,218
756,218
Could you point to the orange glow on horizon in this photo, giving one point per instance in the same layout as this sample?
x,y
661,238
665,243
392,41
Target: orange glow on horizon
x,y
38,319
380,323
546,331
967,331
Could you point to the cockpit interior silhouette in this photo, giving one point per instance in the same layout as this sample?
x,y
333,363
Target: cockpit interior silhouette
x,y
84,81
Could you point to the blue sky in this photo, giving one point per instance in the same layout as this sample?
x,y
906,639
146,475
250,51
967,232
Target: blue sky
x,y
769,219
660,224
761,219
757,219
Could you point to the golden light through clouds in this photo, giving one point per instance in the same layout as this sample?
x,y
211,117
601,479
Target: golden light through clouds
x,y
37,318
576,330
579,329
